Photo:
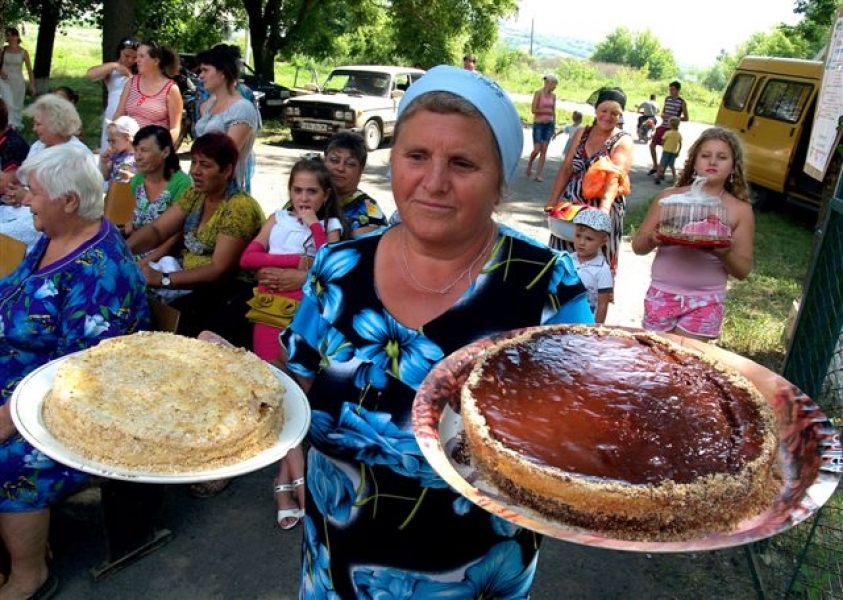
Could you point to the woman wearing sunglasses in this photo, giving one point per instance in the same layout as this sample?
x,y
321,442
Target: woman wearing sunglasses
x,y
115,74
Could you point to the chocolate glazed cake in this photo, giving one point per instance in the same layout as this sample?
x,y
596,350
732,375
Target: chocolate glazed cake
x,y
625,433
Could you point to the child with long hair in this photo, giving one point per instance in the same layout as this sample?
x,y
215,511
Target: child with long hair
x,y
290,238
687,291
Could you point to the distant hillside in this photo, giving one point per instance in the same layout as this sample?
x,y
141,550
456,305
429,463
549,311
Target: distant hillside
x,y
544,45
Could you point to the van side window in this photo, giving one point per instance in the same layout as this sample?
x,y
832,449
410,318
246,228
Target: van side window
x,y
783,100
738,93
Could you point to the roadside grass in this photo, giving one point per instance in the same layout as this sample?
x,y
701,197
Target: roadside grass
x,y
757,307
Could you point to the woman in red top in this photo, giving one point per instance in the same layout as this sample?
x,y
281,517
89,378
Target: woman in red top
x,y
152,96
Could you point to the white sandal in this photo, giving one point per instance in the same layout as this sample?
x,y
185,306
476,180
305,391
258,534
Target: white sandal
x,y
289,513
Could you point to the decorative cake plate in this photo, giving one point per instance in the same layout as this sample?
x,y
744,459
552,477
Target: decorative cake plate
x,y
809,451
28,399
701,244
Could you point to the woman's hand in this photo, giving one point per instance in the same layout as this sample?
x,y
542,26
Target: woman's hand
x,y
153,277
281,280
14,194
305,262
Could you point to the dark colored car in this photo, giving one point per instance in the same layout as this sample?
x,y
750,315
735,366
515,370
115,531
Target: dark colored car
x,y
270,96
272,103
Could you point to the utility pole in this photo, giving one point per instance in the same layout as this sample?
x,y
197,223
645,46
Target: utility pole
x,y
532,28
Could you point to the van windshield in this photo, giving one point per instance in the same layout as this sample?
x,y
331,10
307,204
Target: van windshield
x,y
738,93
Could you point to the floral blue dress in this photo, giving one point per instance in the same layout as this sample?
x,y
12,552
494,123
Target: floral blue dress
x,y
361,210
94,293
380,522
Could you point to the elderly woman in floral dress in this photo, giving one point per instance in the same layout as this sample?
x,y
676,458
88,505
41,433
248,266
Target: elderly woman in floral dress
x,y
444,277
78,285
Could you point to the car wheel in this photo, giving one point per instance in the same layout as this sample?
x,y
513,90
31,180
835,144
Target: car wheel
x,y
372,134
300,137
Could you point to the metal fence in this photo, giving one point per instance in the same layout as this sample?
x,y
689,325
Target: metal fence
x,y
807,561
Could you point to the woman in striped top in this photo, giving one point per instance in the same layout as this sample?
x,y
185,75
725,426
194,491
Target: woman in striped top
x,y
152,97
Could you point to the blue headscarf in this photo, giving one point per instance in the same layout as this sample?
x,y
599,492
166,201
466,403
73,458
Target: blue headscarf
x,y
487,97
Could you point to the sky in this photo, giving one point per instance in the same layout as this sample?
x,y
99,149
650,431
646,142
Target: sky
x,y
694,31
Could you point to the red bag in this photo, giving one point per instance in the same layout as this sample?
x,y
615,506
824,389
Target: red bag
x,y
599,174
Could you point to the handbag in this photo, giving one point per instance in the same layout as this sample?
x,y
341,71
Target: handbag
x,y
270,309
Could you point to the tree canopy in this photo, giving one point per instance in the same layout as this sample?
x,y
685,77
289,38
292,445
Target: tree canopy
x,y
806,39
359,31
641,50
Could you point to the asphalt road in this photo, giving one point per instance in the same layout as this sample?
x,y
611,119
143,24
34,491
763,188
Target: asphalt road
x,y
230,547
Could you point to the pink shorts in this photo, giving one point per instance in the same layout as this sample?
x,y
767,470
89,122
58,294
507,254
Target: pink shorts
x,y
700,315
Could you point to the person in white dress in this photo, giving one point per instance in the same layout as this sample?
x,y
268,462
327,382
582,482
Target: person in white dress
x,y
13,59
114,74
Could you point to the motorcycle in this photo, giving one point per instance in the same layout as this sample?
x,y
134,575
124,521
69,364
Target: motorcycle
x,y
646,127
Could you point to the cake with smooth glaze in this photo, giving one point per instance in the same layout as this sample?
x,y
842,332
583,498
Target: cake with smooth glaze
x,y
163,403
621,432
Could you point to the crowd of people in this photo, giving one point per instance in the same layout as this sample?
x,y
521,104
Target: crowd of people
x,y
358,308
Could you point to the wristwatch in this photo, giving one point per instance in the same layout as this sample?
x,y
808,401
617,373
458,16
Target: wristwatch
x,y
165,281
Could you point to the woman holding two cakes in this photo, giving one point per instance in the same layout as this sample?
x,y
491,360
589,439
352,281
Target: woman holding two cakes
x,y
446,276
77,285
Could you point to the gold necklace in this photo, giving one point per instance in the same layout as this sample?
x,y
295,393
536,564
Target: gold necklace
x,y
450,286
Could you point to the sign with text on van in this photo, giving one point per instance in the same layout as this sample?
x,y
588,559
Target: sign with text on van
x,y
825,134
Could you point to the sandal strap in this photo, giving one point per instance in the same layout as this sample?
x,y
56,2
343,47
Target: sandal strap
x,y
298,482
296,514
284,487
290,513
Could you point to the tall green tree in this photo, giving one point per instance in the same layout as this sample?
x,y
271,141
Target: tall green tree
x,y
118,21
616,48
815,26
441,31
50,14
408,31
187,25
805,39
640,50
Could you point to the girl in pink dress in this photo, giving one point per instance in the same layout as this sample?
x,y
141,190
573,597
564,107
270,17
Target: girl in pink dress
x,y
687,291
290,238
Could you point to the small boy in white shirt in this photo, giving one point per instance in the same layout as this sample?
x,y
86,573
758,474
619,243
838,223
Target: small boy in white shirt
x,y
592,228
